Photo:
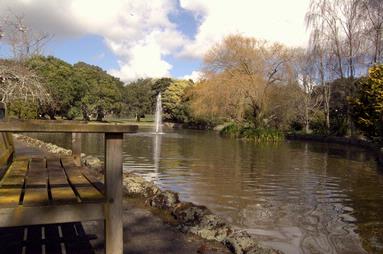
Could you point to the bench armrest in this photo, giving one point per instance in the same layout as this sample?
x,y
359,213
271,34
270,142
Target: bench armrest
x,y
64,127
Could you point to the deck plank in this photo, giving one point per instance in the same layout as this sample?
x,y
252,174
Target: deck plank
x,y
83,187
11,185
36,183
61,190
14,177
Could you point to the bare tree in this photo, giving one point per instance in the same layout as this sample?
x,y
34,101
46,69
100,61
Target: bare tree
x,y
337,29
373,13
306,69
322,19
23,41
17,82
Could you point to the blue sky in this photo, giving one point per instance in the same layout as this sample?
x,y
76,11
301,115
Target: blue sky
x,y
134,38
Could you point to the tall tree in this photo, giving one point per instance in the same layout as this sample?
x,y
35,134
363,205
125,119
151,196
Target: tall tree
x,y
138,99
372,10
368,103
304,63
22,39
238,74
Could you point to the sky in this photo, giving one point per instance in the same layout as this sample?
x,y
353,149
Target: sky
x,y
158,38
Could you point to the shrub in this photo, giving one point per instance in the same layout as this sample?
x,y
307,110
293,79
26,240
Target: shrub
x,y
23,109
250,133
73,112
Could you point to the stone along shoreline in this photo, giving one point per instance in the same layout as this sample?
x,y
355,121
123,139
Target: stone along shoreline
x,y
186,217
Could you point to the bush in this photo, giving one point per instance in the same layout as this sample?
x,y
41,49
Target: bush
x,y
201,123
367,103
232,130
296,126
250,133
23,109
318,125
73,112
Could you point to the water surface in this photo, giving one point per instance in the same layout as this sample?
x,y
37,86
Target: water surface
x,y
299,197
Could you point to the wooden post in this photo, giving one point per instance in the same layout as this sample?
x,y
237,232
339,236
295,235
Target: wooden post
x,y
113,188
3,111
76,148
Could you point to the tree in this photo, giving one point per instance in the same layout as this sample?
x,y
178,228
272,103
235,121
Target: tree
x,y
337,39
172,101
24,41
103,92
138,98
304,63
372,10
21,88
367,105
60,81
238,74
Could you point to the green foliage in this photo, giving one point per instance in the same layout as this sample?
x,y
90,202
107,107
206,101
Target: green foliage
x,y
79,88
58,77
318,124
23,109
174,101
73,113
160,85
138,99
250,133
367,104
103,93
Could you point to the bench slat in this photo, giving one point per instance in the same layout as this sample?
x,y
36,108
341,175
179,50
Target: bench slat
x,y
9,197
85,189
36,183
14,177
11,185
60,188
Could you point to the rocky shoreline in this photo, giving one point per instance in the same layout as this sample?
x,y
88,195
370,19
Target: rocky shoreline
x,y
189,217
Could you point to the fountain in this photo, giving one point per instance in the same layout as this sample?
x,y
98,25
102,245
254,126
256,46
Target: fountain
x,y
157,136
158,115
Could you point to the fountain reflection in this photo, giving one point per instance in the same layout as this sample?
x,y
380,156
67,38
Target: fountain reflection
x,y
157,140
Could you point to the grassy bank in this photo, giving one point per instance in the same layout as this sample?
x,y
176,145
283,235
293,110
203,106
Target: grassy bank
x,y
251,133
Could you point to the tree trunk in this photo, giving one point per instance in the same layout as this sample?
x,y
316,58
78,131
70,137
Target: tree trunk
x,y
307,122
100,115
51,115
85,115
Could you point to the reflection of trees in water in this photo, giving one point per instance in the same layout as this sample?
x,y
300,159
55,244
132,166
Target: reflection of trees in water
x,y
93,144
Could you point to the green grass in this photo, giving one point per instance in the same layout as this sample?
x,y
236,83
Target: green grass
x,y
253,134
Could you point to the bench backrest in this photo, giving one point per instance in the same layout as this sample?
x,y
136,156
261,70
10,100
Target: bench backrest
x,y
6,142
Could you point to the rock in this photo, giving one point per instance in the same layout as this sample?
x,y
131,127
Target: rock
x,y
212,227
189,214
164,200
138,186
242,242
92,162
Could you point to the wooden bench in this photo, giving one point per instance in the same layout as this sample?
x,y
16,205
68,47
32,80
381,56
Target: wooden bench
x,y
48,190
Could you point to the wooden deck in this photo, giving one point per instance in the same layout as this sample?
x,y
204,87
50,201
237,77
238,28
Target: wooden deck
x,y
38,191
48,181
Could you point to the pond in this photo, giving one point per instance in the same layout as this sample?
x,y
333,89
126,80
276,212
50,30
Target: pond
x,y
299,197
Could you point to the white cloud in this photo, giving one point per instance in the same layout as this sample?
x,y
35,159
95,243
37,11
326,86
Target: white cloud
x,y
273,20
144,61
141,34
138,32
195,76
